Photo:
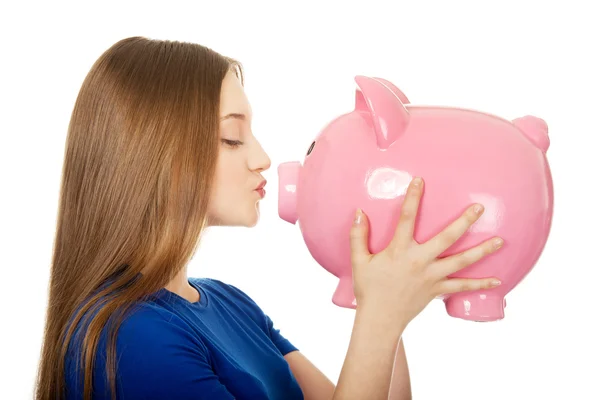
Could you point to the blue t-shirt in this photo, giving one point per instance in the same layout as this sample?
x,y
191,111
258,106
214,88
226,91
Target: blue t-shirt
x,y
221,347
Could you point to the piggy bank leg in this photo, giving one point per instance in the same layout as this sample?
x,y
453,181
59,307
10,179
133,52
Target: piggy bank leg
x,y
476,306
344,293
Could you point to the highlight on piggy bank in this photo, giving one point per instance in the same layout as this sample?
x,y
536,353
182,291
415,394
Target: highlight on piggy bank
x,y
367,157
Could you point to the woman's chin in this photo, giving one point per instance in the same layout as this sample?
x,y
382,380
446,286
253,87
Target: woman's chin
x,y
249,220
254,217
246,218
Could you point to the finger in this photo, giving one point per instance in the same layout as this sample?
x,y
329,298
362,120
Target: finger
x,y
405,228
455,285
446,238
359,250
451,264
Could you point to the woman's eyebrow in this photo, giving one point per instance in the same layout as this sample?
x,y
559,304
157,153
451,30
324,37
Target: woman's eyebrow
x,y
234,115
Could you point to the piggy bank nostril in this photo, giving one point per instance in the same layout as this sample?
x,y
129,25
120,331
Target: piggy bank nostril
x,y
310,149
288,180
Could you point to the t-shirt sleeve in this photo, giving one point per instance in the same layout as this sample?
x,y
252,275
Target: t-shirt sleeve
x,y
159,359
282,343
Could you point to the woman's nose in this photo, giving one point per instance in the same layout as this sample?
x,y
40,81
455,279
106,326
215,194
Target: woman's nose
x,y
260,159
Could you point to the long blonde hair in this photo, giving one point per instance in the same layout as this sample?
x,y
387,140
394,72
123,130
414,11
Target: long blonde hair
x,y
139,162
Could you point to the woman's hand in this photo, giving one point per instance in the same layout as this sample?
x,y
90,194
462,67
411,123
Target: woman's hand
x,y
404,277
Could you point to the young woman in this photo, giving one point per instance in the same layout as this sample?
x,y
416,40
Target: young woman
x,y
160,147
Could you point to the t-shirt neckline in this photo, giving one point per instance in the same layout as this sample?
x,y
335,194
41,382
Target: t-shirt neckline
x,y
202,302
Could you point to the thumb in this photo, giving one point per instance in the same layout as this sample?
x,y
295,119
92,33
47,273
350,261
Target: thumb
x,y
358,237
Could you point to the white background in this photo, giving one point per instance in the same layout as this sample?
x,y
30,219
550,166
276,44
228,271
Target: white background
x,y
510,58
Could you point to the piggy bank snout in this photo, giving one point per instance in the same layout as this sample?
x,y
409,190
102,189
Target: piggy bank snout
x,y
288,180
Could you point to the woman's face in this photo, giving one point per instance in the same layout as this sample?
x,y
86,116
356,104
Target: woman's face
x,y
235,198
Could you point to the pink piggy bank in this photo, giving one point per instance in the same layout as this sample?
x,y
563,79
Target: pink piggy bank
x,y
367,157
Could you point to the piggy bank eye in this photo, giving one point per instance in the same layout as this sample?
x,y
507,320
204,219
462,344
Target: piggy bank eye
x,y
310,149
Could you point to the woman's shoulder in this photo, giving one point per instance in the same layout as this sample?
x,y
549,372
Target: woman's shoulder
x,y
152,332
225,290
143,323
157,355
144,316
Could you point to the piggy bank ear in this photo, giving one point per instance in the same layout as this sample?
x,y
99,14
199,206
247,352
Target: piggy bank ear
x,y
394,89
535,129
388,114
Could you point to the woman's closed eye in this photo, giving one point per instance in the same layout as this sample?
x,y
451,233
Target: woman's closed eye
x,y
232,143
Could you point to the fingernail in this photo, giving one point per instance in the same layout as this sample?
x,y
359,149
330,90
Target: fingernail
x,y
496,282
417,181
358,216
478,208
498,243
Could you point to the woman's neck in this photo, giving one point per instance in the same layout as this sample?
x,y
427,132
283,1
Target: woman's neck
x,y
180,286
